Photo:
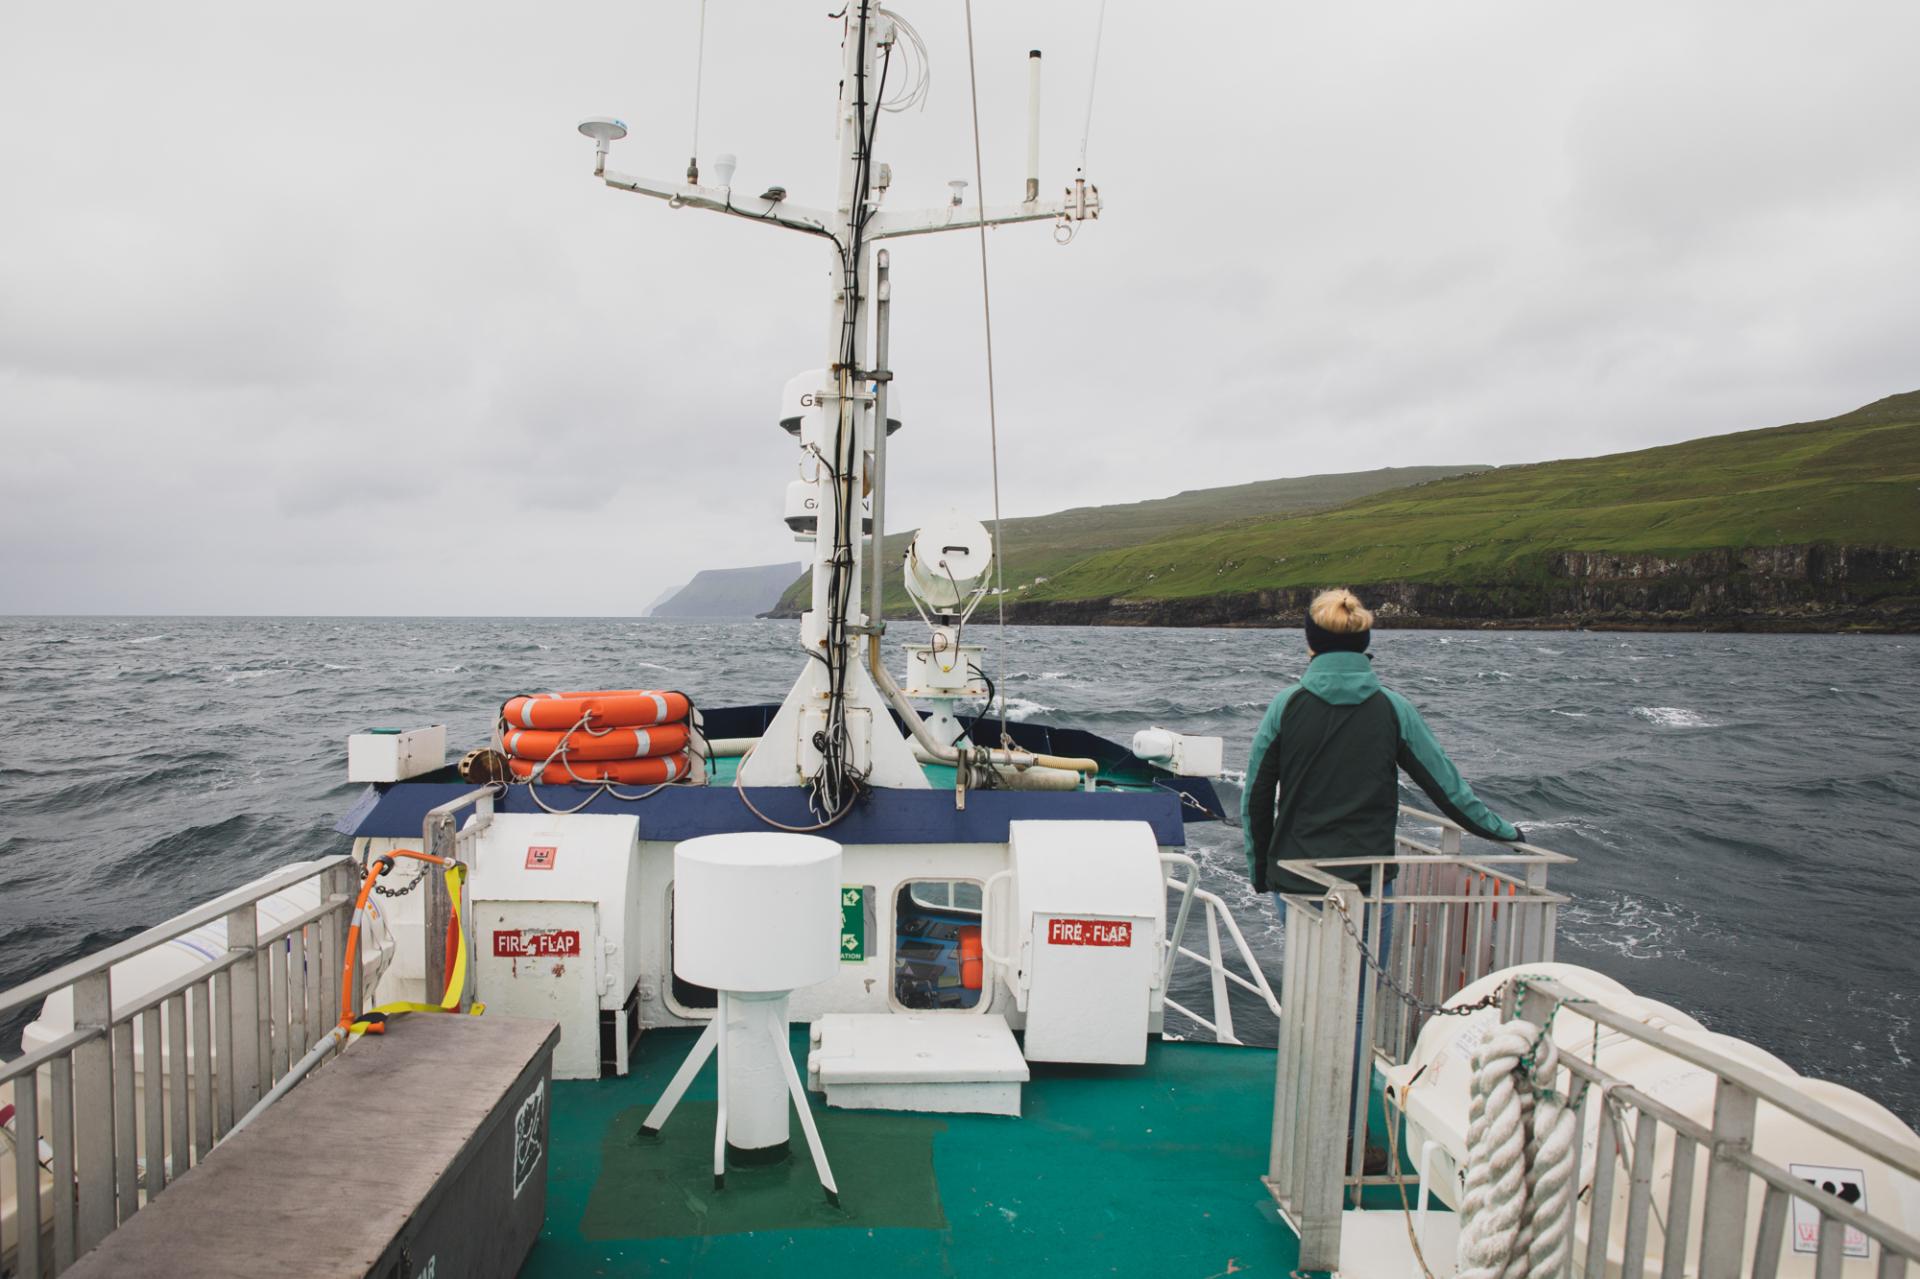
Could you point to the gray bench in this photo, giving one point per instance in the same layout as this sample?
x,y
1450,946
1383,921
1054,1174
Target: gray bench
x,y
418,1152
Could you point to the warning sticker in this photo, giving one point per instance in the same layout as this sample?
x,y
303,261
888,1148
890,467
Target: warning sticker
x,y
1089,932
853,924
528,1145
535,943
1849,1186
542,857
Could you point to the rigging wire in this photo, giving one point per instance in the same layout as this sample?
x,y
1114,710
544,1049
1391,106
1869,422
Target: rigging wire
x,y
993,417
699,75
1093,80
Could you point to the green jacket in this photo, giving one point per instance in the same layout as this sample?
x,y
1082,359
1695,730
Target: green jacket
x,y
1321,781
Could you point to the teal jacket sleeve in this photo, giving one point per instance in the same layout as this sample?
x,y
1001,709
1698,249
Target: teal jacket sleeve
x,y
1434,773
1256,795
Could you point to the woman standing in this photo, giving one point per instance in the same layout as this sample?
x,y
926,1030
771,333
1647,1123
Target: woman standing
x,y
1323,779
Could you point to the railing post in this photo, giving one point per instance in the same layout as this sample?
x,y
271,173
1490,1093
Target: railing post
x,y
1540,918
440,838
1330,1073
93,1108
1724,1211
243,980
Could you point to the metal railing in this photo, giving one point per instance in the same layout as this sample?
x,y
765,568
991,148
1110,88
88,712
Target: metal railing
x,y
1217,913
1451,917
120,1125
1728,1245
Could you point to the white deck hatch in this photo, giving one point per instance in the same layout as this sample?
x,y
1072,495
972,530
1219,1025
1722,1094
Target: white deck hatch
x,y
946,1062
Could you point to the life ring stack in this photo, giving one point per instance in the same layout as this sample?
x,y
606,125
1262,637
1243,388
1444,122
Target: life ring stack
x,y
630,737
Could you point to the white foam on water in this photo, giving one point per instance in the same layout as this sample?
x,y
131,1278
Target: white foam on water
x,y
1018,709
1551,652
1673,717
146,639
1569,714
1053,675
237,676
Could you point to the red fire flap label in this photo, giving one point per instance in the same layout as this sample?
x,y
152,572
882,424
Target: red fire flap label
x,y
534,943
1089,932
542,857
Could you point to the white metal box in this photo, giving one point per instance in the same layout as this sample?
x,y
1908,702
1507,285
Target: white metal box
x,y
1180,753
556,930
1089,918
394,755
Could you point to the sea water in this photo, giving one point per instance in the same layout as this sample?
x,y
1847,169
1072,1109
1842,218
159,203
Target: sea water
x,y
1744,808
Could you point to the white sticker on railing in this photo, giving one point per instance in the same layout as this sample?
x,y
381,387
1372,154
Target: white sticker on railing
x,y
1849,1186
527,1145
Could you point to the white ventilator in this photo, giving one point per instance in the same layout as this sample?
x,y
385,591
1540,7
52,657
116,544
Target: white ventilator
x,y
756,916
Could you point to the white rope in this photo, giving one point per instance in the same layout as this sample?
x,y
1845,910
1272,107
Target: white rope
x,y
993,418
1521,1160
1093,80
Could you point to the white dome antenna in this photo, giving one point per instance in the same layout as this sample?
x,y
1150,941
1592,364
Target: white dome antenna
x,y
605,131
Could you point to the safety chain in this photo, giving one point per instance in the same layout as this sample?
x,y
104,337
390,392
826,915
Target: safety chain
x,y
1406,996
412,884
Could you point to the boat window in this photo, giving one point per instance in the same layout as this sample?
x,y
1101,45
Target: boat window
x,y
937,962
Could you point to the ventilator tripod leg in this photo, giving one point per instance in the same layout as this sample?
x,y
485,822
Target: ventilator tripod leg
x,y
677,1088
799,1095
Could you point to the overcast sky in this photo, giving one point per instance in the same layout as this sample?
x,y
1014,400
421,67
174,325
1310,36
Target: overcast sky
x,y
319,309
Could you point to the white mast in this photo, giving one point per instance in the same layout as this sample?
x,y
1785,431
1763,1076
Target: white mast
x,y
833,731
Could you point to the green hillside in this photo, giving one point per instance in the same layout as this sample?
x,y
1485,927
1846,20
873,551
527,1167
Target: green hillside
x,y
1850,480
1041,545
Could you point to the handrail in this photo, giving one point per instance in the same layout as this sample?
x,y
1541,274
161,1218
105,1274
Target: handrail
x,y
1766,1087
219,908
143,1085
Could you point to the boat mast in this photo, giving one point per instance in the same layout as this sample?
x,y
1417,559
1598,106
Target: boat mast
x,y
833,732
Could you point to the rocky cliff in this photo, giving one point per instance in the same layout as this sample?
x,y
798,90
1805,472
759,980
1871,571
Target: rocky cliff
x,y
1813,587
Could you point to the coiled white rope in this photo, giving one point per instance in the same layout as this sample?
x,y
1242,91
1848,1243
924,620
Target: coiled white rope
x,y
1521,1160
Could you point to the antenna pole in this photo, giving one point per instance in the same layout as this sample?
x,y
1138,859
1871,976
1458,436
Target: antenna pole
x,y
1033,127
882,377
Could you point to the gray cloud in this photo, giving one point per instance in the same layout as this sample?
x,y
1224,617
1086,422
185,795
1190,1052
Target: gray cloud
x,y
321,310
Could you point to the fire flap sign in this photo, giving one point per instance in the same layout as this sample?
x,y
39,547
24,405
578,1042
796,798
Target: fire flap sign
x,y
542,856
1849,1186
535,943
1089,932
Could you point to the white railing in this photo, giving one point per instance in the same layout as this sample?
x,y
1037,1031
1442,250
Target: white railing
x,y
1220,1025
109,1128
1454,917
1728,1244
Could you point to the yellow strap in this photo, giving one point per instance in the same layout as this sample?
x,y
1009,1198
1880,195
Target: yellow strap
x,y
456,980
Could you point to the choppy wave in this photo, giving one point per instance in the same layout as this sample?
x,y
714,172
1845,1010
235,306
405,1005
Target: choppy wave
x,y
1673,717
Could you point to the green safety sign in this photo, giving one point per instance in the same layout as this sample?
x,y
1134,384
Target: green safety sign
x,y
853,924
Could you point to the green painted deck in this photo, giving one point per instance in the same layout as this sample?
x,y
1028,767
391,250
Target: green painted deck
x,y
1110,1171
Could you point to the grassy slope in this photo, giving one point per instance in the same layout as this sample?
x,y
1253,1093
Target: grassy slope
x,y
1040,545
1851,479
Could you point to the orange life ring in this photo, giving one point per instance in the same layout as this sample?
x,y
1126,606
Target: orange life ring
x,y
629,772
618,743
622,708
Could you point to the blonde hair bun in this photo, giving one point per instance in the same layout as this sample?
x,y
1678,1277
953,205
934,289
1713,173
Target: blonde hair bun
x,y
1340,612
